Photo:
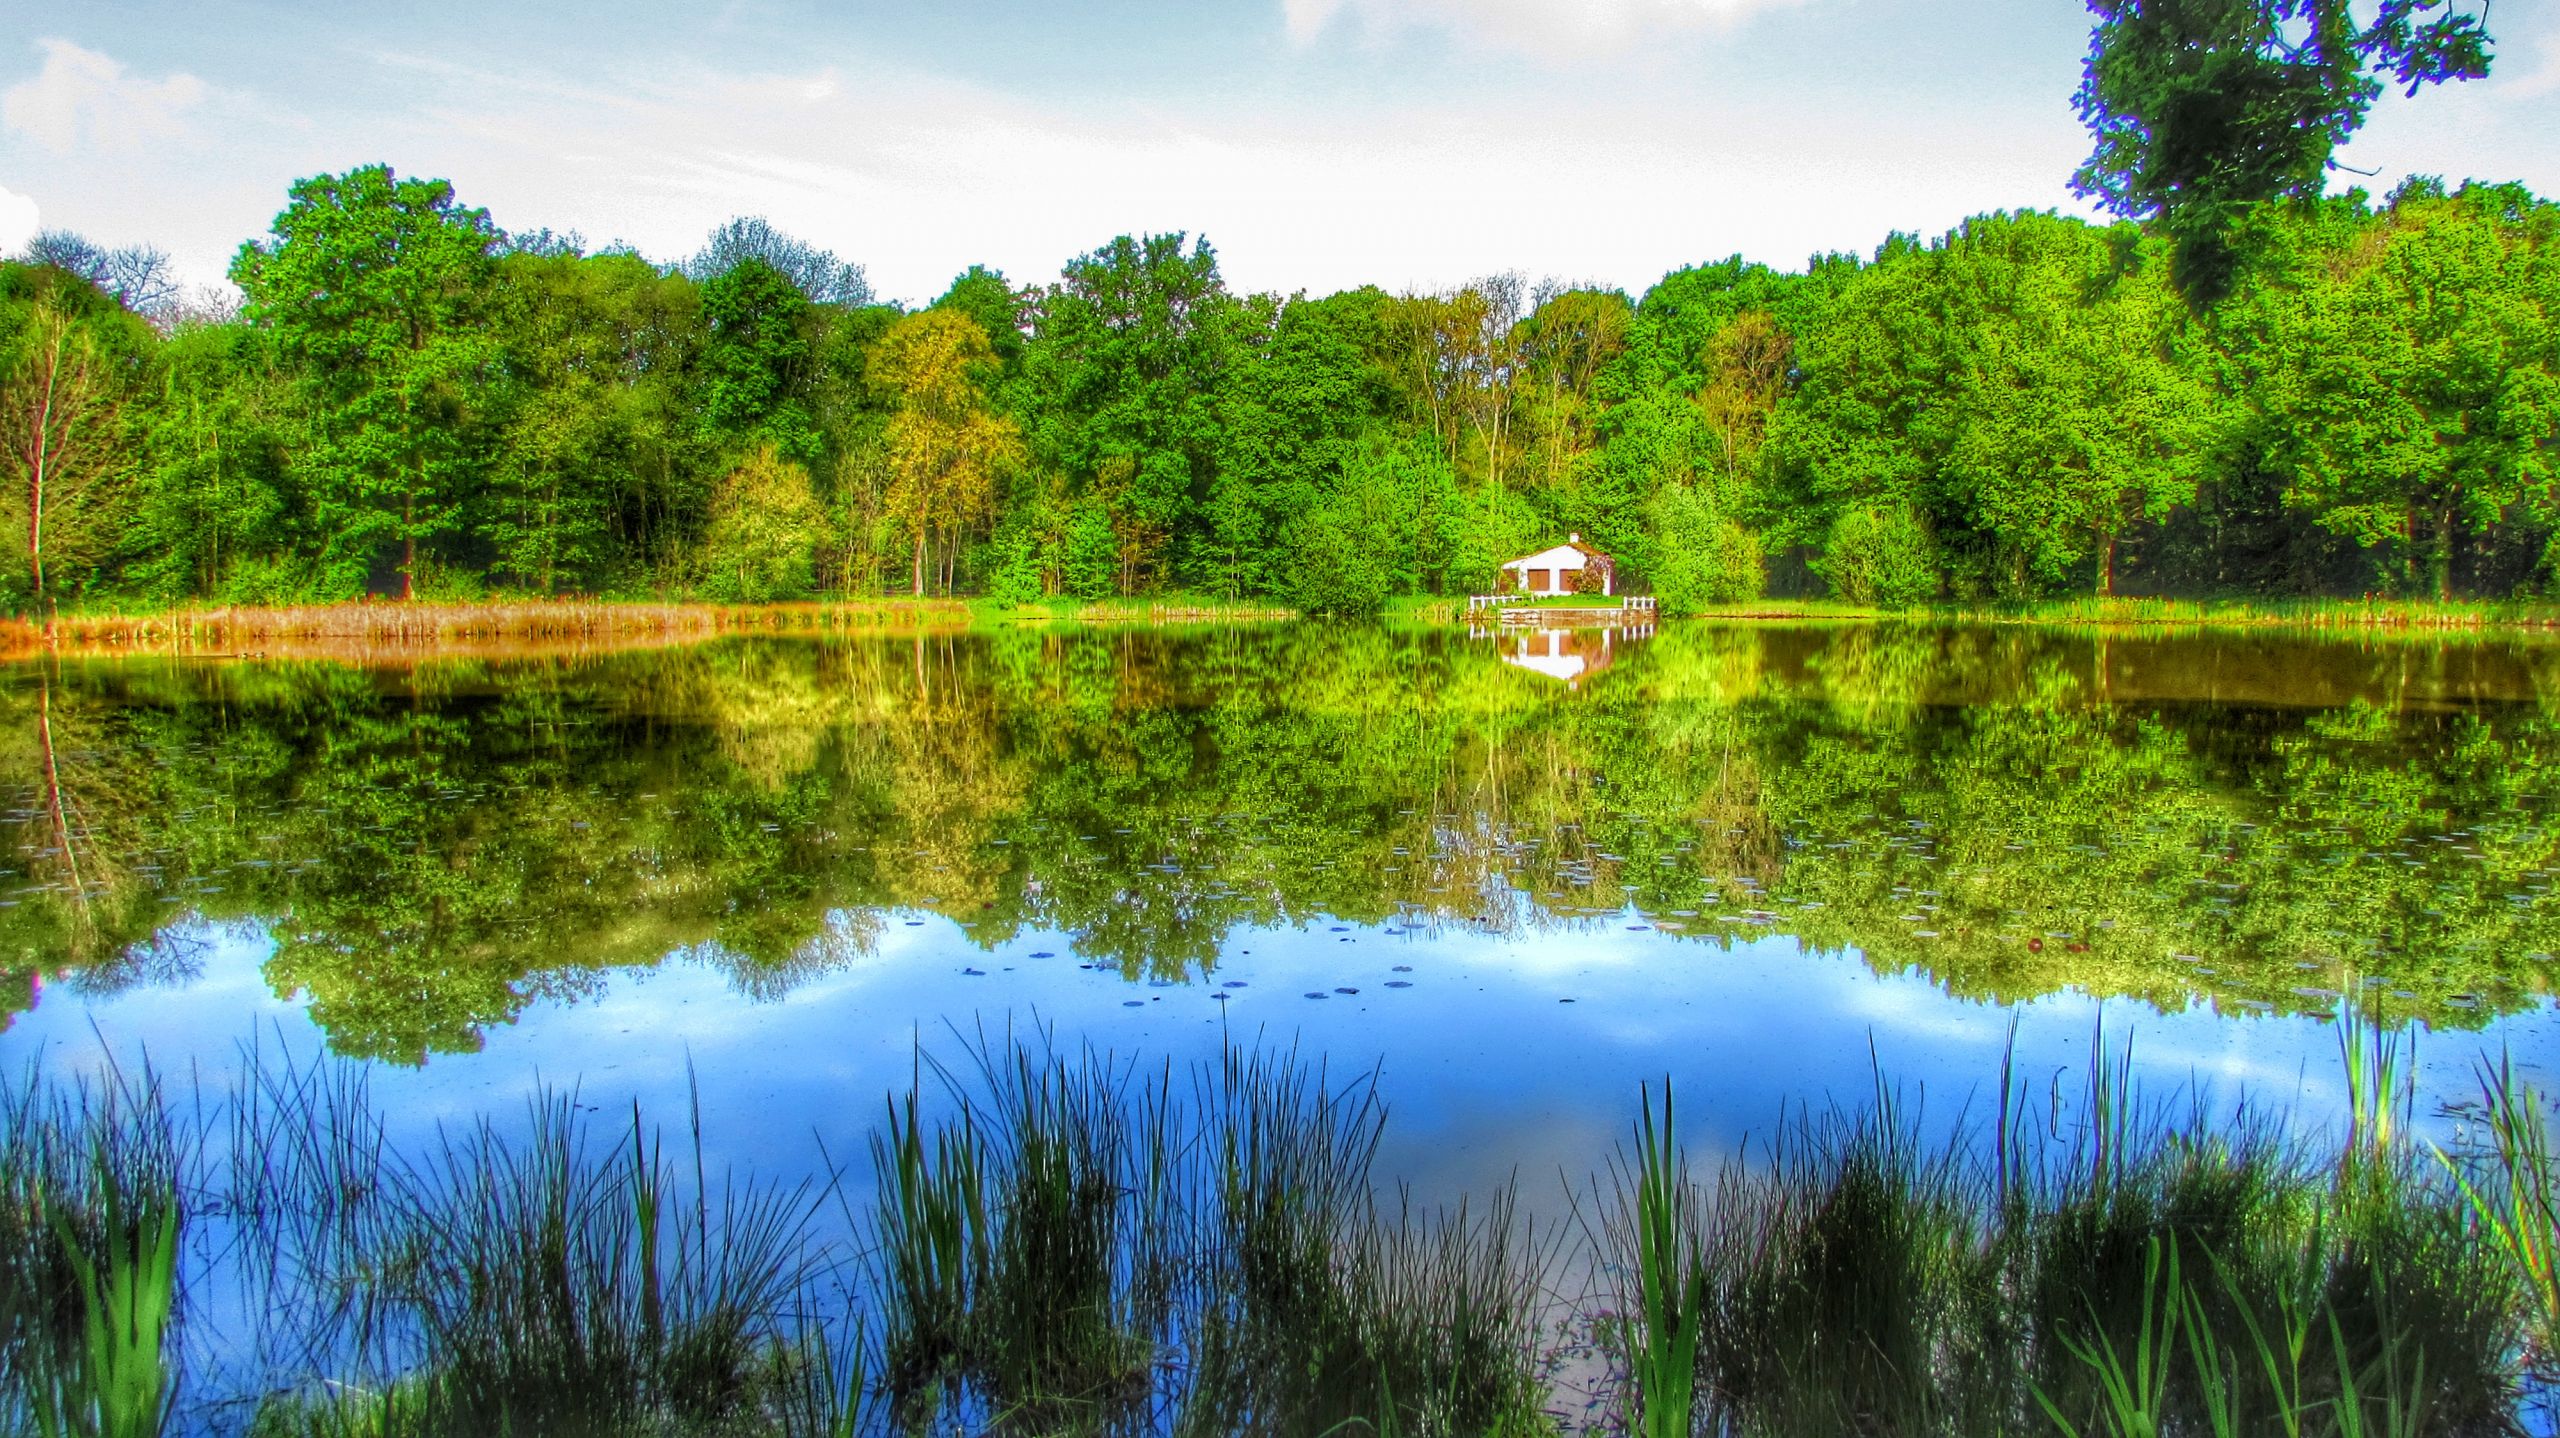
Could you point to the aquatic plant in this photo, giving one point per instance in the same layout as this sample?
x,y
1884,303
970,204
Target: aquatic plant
x,y
2513,1191
1658,1223
1060,1241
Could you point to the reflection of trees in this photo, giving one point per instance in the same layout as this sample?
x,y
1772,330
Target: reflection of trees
x,y
83,902
2010,811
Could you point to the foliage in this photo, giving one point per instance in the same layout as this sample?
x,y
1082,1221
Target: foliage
x,y
765,527
2019,409
375,287
2202,109
1880,556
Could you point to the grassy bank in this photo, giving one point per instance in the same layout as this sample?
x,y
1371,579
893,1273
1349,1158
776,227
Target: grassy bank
x,y
2345,615
390,629
1058,1242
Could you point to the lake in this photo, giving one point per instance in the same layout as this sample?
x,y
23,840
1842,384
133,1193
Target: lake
x,y
1516,877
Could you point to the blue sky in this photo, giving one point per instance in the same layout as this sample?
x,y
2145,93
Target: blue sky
x,y
1317,143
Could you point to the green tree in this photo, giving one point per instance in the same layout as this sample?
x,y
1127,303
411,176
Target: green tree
x,y
2202,109
1124,368
2402,372
215,506
1305,390
2013,389
594,449
376,288
63,384
756,359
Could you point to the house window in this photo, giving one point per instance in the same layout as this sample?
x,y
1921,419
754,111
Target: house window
x,y
1538,582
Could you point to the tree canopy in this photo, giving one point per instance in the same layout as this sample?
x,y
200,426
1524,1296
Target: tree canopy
x,y
413,401
2203,109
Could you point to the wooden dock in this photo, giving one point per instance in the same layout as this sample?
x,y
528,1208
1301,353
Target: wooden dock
x,y
1515,611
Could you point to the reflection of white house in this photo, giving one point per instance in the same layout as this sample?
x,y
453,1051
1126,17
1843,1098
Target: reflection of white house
x,y
1566,654
1559,570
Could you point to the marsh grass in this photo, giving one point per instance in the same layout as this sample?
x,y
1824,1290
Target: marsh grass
x,y
1659,1233
1081,1245
2121,1267
2511,1183
1061,1241
360,630
90,1241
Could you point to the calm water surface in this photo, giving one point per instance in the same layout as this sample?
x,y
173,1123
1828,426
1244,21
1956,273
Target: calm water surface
x,y
1517,877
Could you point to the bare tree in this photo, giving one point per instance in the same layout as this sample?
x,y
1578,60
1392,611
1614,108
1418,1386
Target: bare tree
x,y
1493,360
137,276
818,273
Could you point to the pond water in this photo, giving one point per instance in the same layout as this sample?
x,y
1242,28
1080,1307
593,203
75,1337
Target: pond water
x,y
1769,862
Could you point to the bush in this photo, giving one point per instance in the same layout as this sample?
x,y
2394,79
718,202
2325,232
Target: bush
x,y
763,539
1332,569
1880,556
1703,558
1015,575
276,580
1093,560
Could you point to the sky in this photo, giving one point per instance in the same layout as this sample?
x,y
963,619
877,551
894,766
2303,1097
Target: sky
x,y
1318,144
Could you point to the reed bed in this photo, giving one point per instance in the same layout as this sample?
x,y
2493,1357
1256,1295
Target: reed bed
x,y
1049,1240
2125,1267
393,627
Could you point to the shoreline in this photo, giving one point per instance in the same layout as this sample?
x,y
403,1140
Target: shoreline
x,y
544,628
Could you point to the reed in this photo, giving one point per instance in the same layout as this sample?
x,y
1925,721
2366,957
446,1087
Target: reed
x,y
1061,1241
322,630
1081,1246
2512,1188
90,1248
1659,1233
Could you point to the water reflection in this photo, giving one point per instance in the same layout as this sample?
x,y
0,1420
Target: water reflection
x,y
2256,822
1571,653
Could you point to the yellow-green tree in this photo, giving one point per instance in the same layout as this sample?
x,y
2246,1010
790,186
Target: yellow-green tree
x,y
764,532
946,444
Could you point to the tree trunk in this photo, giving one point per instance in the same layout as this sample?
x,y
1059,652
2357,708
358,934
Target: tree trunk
x,y
39,445
55,809
2444,554
2107,565
919,564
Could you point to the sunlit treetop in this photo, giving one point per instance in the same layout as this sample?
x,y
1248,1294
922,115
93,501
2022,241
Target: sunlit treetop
x,y
2202,108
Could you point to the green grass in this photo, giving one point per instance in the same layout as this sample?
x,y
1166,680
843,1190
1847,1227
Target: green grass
x,y
1140,609
2423,616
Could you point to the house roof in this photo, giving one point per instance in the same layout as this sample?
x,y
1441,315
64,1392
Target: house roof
x,y
1573,550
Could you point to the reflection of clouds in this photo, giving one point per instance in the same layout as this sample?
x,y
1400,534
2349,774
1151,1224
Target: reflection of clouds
x,y
1912,1007
1484,1072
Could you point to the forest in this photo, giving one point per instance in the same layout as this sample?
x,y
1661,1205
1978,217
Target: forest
x,y
406,399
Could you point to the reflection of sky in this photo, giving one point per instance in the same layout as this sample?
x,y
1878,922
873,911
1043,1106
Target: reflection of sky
x,y
1508,1054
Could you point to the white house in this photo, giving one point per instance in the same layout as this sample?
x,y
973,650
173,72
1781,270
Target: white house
x,y
1559,570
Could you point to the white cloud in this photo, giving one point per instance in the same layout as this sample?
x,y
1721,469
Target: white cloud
x,y
18,222
1538,27
917,177
85,99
